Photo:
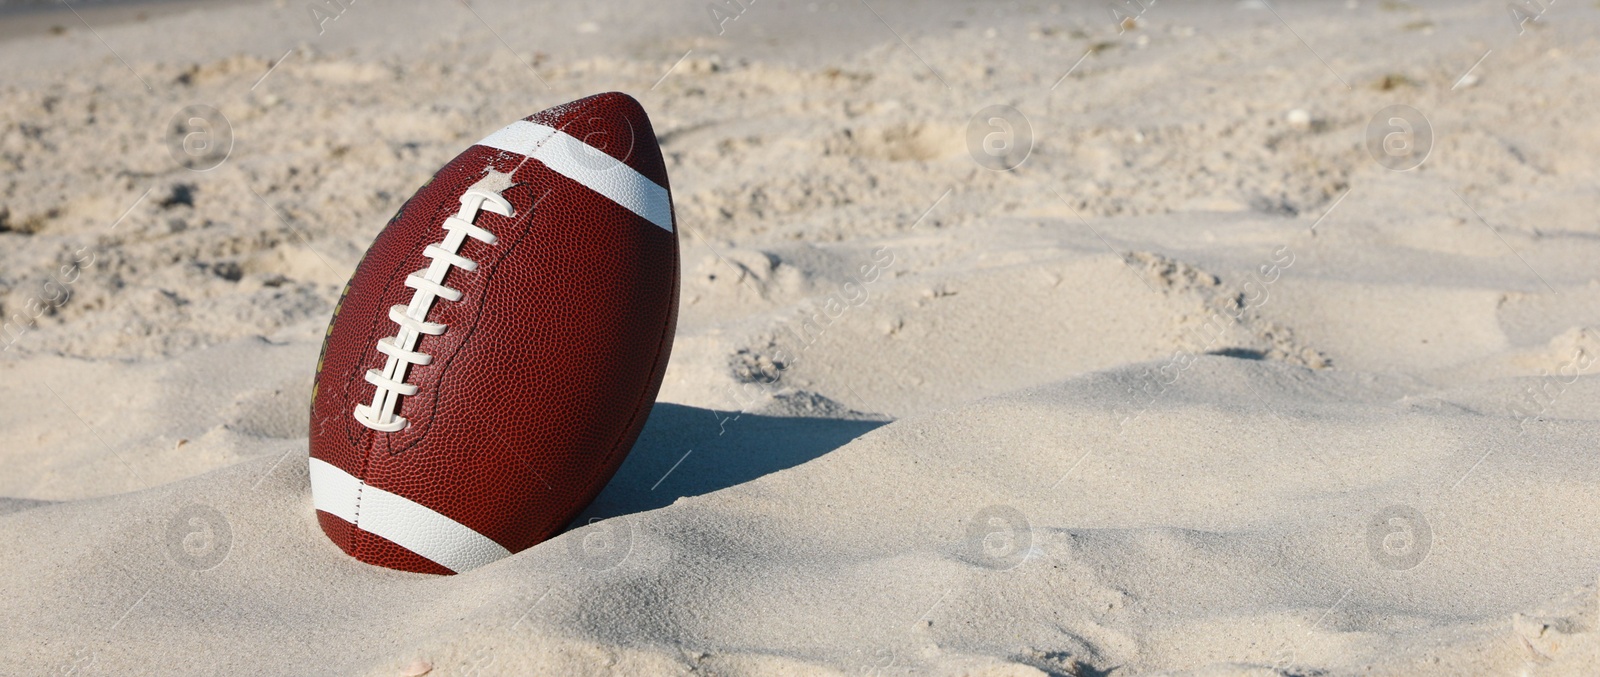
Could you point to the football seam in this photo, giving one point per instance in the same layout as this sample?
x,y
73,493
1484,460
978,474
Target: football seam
x,y
477,317
355,520
405,349
371,338
357,543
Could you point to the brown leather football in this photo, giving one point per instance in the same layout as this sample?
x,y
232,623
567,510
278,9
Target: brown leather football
x,y
496,353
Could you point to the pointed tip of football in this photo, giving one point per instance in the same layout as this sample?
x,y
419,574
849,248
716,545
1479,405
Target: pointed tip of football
x,y
615,104
613,123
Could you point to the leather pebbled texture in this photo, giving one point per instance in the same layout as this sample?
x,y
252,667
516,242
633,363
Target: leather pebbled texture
x,y
551,360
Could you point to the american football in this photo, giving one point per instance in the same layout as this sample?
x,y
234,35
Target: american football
x,y
497,351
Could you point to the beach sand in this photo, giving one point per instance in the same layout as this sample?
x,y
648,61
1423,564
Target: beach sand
x,y
1194,376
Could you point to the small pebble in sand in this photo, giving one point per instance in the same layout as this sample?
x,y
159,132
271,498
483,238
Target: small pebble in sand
x,y
1298,118
417,668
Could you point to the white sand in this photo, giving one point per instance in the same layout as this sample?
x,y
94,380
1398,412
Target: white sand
x,y
922,417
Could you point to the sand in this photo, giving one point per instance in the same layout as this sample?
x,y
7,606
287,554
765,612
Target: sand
x,y
1205,385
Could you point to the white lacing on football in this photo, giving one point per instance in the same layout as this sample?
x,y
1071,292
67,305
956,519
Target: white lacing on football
x,y
429,285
